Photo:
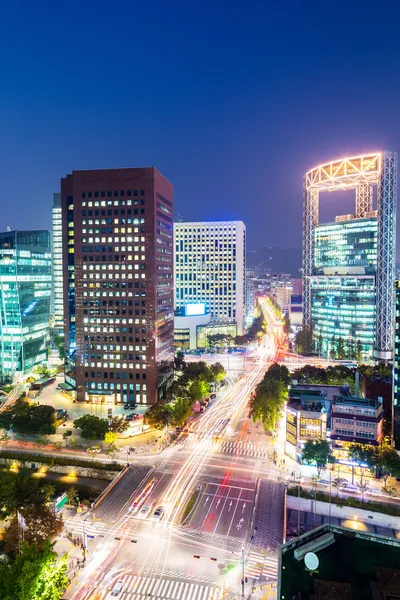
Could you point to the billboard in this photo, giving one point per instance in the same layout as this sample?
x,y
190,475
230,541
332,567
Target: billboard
x,y
195,309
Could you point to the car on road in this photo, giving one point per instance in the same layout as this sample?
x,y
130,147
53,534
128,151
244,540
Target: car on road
x,y
158,513
144,511
117,589
351,489
212,396
323,481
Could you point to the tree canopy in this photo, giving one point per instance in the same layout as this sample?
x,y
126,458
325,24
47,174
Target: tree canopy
x,y
41,524
34,574
268,400
23,417
92,427
318,452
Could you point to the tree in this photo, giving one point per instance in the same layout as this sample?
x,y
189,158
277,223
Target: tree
x,y
304,341
110,437
41,524
287,328
25,418
34,574
388,462
362,454
318,452
319,344
241,340
66,434
181,410
92,427
218,372
339,484
279,373
359,350
267,403
199,388
113,450
340,349
159,415
118,425
72,494
332,351
42,371
4,439
179,361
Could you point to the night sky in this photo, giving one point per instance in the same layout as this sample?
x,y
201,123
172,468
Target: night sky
x,y
231,101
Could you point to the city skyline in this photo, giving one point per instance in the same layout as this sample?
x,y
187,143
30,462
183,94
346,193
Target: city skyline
x,y
243,126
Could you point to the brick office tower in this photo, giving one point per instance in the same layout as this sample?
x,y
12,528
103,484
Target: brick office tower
x,y
118,284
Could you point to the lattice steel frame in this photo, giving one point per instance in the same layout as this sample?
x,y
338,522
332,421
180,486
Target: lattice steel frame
x,y
363,199
386,256
361,173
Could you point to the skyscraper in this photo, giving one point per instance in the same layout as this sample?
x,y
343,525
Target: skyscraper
x,y
210,268
57,273
25,288
396,372
118,283
348,265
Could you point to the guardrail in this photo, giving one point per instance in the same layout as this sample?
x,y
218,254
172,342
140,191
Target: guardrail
x,y
110,486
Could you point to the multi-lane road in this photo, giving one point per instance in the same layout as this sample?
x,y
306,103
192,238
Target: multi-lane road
x,y
218,470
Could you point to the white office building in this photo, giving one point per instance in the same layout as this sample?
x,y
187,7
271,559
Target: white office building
x,y
210,269
57,275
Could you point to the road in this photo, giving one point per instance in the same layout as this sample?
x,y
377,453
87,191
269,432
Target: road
x,y
199,558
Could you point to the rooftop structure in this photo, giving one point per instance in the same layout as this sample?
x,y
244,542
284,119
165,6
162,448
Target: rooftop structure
x,y
344,565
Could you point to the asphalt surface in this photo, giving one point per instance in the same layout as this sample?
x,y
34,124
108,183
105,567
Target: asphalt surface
x,y
225,508
269,515
117,499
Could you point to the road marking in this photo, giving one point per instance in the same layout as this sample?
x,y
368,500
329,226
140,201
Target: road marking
x,y
244,506
230,506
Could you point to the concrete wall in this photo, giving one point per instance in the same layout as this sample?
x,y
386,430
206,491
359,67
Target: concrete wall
x,y
344,512
79,471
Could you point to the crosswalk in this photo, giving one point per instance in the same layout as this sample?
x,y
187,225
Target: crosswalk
x,y
259,566
139,588
241,449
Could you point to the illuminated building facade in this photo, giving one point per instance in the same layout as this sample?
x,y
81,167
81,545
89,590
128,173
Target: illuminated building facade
x,y
25,289
348,266
306,419
210,268
396,371
356,420
118,284
57,272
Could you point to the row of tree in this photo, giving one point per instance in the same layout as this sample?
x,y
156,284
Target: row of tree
x,y
192,382
30,568
268,401
384,460
307,344
339,374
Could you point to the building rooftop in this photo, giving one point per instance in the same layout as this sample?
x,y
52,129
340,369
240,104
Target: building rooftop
x,y
352,566
357,401
327,391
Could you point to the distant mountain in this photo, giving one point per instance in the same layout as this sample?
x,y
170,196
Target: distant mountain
x,y
274,259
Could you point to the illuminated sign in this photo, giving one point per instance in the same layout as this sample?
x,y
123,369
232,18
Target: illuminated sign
x,y
195,309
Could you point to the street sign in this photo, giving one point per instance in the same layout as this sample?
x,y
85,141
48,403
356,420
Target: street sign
x,y
60,501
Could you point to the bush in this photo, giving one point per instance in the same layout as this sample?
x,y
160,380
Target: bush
x,y
190,504
59,460
370,505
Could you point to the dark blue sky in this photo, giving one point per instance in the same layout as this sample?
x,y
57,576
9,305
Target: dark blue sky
x,y
232,101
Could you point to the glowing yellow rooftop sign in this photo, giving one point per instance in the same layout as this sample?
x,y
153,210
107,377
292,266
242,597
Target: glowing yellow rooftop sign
x,y
345,173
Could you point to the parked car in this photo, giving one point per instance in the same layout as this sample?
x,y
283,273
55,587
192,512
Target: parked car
x,y
324,481
117,589
127,406
158,513
129,417
212,396
352,489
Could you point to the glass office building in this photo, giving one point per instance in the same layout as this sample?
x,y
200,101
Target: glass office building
x,y
343,287
25,289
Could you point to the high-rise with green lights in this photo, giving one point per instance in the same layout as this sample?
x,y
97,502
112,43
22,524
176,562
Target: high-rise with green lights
x,y
343,287
25,289
349,265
